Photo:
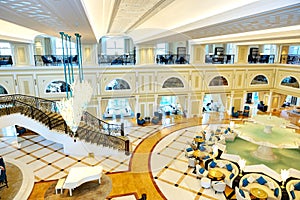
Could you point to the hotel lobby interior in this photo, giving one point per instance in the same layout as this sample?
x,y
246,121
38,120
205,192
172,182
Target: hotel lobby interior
x,y
158,99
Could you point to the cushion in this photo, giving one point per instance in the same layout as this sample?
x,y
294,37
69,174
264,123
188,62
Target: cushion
x,y
297,186
261,180
201,170
251,179
245,182
276,192
206,157
198,136
293,194
292,187
213,164
202,148
229,167
231,175
189,149
221,164
242,193
226,131
271,185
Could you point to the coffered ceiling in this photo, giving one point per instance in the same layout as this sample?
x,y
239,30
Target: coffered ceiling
x,y
150,21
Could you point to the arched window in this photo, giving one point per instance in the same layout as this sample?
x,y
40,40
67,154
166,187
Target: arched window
x,y
173,83
118,84
57,87
218,81
3,90
290,82
259,79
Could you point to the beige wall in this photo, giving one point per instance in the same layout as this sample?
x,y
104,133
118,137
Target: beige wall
x,y
146,82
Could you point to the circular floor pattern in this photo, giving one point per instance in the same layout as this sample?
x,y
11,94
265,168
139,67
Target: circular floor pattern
x,y
170,169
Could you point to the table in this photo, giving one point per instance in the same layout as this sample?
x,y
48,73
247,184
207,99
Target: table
x,y
199,141
215,175
80,175
258,193
199,154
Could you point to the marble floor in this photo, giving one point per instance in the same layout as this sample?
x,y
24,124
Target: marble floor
x,y
168,166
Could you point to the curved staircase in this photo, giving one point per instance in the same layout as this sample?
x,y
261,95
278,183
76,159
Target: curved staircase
x,y
90,130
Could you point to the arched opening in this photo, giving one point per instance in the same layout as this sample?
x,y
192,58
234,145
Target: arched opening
x,y
116,50
117,84
290,81
57,87
218,81
118,108
173,82
3,90
259,79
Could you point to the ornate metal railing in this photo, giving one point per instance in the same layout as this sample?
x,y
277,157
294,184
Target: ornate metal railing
x,y
54,60
91,129
172,59
293,59
117,59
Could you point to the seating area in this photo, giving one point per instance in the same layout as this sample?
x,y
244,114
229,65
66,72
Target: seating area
x,y
293,189
139,120
228,168
265,184
5,60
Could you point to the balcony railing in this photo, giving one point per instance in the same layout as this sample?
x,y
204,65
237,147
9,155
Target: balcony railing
x,y
219,59
293,59
54,60
262,58
126,59
168,59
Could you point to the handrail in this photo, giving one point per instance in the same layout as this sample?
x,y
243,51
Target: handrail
x,y
39,106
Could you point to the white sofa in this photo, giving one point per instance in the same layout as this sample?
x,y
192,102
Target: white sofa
x,y
268,187
290,186
229,175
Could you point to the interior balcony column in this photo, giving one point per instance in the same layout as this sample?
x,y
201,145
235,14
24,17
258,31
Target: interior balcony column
x,y
283,53
155,102
198,54
270,101
145,54
242,54
230,102
201,103
99,113
137,107
189,107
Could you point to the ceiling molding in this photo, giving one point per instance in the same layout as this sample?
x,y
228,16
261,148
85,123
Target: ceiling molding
x,y
114,14
151,12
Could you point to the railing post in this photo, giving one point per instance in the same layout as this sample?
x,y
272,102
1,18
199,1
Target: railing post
x,y
127,147
49,123
32,114
122,129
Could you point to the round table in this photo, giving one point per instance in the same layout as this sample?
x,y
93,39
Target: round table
x,y
215,175
199,141
258,193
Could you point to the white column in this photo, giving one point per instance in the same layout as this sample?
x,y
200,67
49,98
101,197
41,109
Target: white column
x,y
231,102
99,114
201,103
270,101
189,108
137,108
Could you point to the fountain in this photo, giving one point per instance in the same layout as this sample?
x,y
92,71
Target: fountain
x,y
268,132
